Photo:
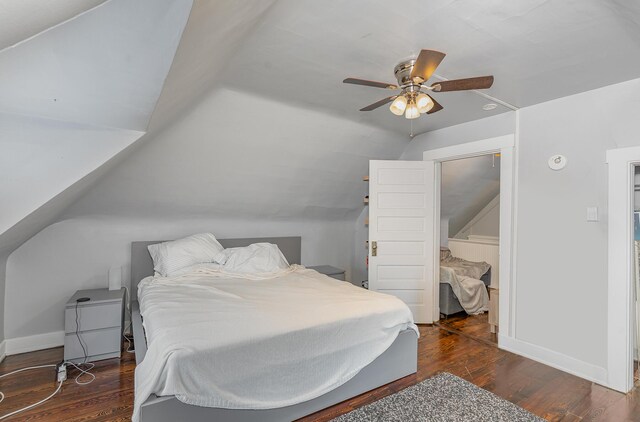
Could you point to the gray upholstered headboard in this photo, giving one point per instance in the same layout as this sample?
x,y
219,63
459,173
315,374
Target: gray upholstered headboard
x,y
142,264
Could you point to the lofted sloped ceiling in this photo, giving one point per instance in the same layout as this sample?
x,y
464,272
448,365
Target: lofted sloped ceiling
x,y
468,185
104,68
22,19
238,62
538,50
215,32
240,58
220,160
75,95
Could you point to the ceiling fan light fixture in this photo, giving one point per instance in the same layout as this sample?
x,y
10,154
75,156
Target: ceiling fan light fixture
x,y
412,111
398,105
411,75
424,103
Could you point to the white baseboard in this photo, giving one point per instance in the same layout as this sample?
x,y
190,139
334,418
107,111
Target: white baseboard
x,y
556,360
3,350
32,343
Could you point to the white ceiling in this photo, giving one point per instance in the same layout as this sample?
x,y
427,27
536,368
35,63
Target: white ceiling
x,y
67,98
215,31
538,50
288,163
298,52
104,68
21,19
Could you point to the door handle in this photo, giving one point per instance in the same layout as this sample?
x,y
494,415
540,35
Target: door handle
x,y
374,248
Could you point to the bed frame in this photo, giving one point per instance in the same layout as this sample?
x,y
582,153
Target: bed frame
x,y
398,361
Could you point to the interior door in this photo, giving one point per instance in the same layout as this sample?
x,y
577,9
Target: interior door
x,y
401,233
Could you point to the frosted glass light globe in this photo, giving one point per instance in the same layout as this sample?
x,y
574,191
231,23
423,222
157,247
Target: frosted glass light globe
x,y
398,105
424,103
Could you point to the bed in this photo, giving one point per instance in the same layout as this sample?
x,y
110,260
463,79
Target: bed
x,y
397,361
450,267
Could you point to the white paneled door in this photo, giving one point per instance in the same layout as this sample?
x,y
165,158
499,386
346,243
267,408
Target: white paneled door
x,y
401,233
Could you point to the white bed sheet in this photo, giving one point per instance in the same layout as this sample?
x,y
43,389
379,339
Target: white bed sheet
x,y
259,341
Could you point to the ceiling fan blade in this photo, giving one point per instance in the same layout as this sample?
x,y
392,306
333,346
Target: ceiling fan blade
x,y
481,82
425,65
374,84
436,106
379,103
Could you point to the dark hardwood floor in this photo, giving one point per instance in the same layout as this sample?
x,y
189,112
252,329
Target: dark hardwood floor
x,y
474,326
545,391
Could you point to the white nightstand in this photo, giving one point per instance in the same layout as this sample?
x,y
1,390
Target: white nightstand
x,y
100,324
333,272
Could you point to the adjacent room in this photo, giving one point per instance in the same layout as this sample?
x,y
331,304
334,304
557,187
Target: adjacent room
x,y
470,246
296,210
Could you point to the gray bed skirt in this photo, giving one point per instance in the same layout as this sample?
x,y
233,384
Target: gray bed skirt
x,y
449,303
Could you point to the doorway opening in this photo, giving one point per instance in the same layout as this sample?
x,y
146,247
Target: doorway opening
x,y
470,246
434,159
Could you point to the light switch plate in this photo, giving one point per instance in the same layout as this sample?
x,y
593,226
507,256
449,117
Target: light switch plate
x,y
592,214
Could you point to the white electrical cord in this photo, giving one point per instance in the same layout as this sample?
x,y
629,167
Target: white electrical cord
x,y
90,366
34,404
83,372
77,380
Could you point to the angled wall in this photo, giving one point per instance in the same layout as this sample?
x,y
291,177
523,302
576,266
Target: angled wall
x,y
73,97
42,157
468,185
104,68
235,164
23,19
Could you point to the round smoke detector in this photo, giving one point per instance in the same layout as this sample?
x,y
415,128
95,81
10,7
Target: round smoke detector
x,y
489,107
557,162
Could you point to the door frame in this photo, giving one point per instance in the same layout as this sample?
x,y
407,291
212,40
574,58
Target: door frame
x,y
505,146
620,267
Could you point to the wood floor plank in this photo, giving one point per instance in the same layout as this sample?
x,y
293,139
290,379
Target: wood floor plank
x,y
542,390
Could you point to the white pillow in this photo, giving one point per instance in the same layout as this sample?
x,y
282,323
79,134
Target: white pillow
x,y
255,258
169,257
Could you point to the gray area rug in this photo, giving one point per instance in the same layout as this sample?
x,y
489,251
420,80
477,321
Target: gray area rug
x,y
444,397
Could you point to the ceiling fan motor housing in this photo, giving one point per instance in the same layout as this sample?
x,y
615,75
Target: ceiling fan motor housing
x,y
403,72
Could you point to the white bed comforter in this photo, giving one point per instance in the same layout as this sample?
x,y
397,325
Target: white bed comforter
x,y
259,341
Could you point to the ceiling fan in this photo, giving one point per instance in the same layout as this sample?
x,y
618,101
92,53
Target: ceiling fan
x,y
411,75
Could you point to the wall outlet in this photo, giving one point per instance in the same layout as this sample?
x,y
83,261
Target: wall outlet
x,y
592,214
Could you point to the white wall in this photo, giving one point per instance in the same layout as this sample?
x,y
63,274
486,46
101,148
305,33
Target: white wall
x,y
502,124
77,253
40,158
561,302
488,225
552,226
485,223
276,171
